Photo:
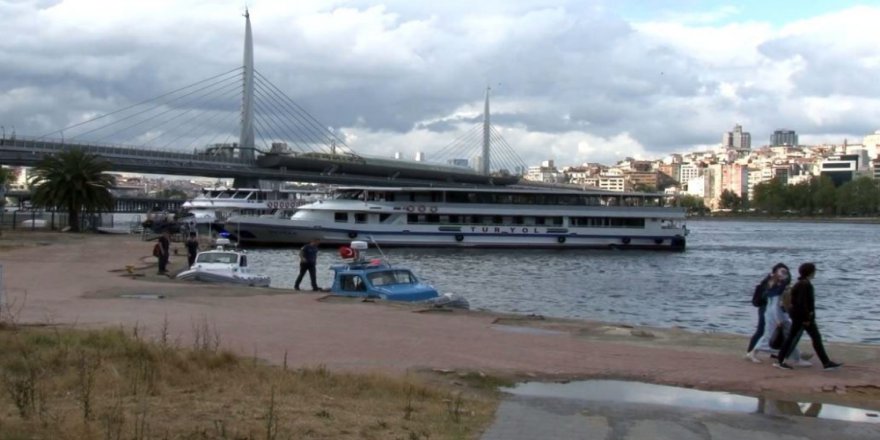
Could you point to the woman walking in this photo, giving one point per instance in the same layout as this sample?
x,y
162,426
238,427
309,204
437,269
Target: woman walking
x,y
775,316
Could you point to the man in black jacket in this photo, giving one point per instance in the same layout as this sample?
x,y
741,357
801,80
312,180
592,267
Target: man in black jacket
x,y
803,317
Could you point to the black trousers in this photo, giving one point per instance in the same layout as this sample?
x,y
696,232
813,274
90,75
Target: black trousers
x,y
797,329
163,263
310,267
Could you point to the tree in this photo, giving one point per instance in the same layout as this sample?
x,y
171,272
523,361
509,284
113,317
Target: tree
x,y
729,200
770,196
73,180
692,204
824,195
858,197
800,198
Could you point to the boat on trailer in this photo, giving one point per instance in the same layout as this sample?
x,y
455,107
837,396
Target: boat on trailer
x,y
515,216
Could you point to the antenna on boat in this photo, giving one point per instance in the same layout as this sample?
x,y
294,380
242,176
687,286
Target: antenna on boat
x,y
378,248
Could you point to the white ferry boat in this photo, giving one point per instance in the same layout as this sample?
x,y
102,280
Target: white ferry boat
x,y
215,205
507,217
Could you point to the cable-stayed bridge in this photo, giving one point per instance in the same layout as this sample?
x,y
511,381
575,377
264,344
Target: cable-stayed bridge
x,y
239,125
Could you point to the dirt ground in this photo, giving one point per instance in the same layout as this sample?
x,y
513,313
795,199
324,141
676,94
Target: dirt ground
x,y
108,280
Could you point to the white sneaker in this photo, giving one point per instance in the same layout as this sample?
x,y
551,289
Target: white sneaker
x,y
751,357
802,363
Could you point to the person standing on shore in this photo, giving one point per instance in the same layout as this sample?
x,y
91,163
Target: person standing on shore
x,y
803,316
775,316
164,251
192,249
308,259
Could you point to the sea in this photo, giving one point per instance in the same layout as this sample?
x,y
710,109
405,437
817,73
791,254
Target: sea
x,y
706,288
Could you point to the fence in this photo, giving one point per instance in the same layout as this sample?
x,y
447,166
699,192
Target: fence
x,y
51,220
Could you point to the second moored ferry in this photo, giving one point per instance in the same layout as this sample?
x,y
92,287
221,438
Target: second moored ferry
x,y
508,217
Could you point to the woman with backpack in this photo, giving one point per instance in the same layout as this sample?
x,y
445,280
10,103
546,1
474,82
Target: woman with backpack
x,y
774,315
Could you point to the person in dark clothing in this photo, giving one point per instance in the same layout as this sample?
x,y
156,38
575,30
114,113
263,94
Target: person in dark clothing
x,y
803,316
762,308
192,248
308,258
164,252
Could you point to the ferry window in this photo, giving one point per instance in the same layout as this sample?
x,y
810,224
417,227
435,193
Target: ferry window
x,y
360,217
454,219
341,217
423,197
476,219
243,261
503,198
518,220
432,218
412,218
539,220
456,197
556,221
529,221
383,217
523,199
497,220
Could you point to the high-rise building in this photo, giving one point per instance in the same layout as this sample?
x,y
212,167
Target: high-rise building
x,y
737,139
872,144
784,137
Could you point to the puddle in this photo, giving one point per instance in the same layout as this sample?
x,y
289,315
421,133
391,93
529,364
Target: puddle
x,y
142,296
526,330
636,392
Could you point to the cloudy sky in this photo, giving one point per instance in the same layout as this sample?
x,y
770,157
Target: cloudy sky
x,y
572,81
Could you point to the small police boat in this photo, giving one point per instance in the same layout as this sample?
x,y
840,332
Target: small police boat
x,y
359,276
223,265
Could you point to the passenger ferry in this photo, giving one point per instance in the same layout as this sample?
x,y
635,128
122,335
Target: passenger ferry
x,y
507,217
215,205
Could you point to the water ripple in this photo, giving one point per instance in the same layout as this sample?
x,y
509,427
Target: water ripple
x,y
708,287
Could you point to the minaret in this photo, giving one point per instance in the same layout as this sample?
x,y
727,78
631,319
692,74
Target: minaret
x,y
486,128
246,139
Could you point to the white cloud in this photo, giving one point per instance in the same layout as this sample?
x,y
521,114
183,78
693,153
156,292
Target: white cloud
x,y
571,81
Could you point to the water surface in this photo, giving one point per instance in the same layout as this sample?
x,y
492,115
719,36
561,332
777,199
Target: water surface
x,y
708,287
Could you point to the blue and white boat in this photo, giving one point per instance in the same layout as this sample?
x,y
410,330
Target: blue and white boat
x,y
359,276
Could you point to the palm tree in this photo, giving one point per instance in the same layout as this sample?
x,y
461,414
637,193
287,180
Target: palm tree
x,y
74,180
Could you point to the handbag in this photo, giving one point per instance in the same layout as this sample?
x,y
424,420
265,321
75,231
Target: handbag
x,y
777,339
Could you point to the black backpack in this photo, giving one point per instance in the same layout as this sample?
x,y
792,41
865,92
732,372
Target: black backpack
x,y
758,298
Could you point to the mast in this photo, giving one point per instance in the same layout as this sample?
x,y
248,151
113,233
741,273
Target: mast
x,y
246,138
486,128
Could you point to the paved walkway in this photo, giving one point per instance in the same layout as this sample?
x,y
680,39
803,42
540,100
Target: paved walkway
x,y
527,418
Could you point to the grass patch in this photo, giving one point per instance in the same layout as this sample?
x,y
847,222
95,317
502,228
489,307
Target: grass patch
x,y
112,384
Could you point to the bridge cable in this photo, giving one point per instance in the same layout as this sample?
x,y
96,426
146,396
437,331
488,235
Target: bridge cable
x,y
139,103
199,112
149,110
315,133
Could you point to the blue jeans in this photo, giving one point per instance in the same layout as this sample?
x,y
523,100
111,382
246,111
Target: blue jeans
x,y
760,330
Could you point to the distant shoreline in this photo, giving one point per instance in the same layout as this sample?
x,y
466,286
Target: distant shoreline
x,y
793,219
